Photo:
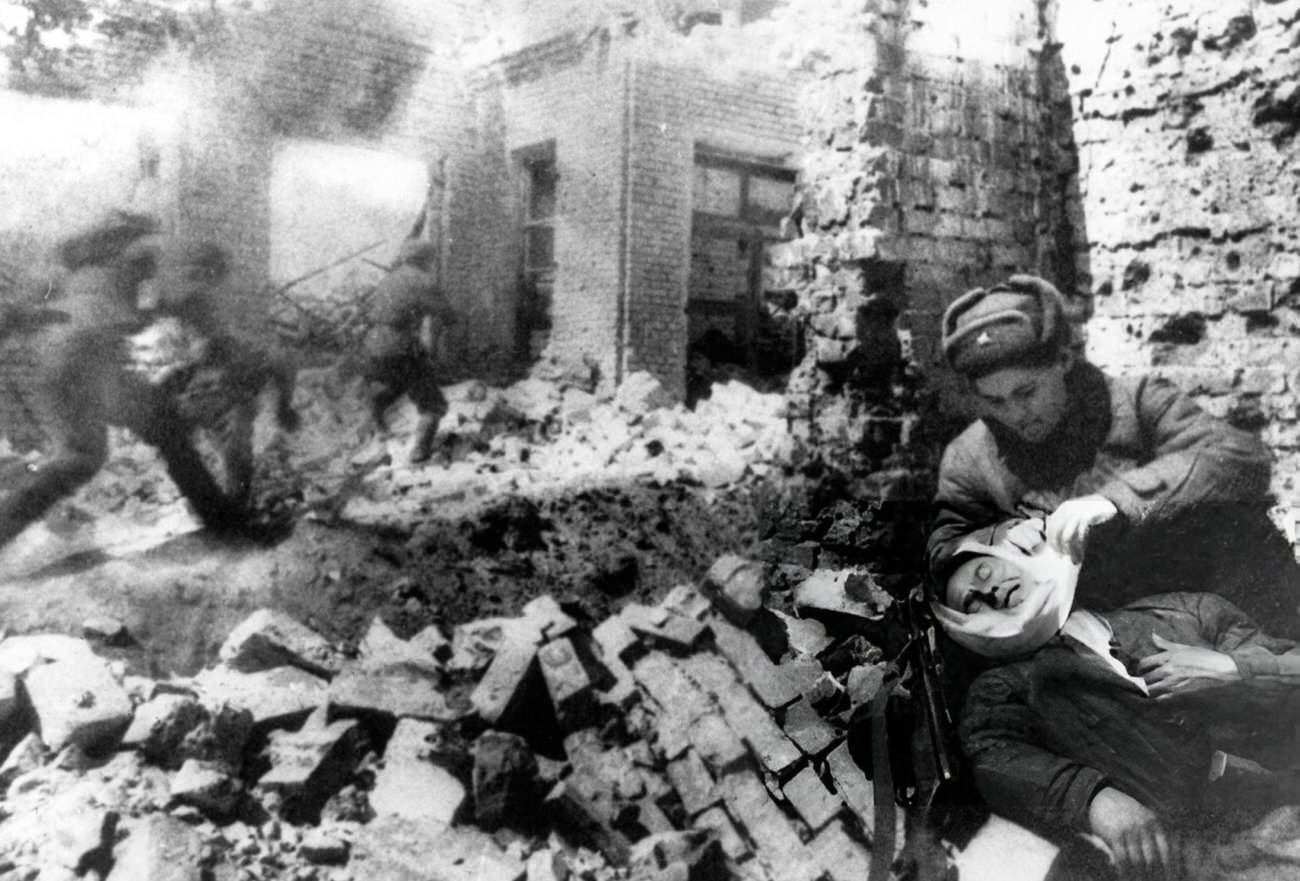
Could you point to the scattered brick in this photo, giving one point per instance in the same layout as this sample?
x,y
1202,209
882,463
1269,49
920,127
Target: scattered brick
x,y
159,848
268,638
81,838
717,744
775,751
685,600
810,798
767,680
277,697
207,786
853,785
843,857
582,808
664,628
504,778
825,595
777,844
381,650
409,785
502,693
323,849
567,681
690,855
312,763
407,693
551,621
719,822
27,755
78,702
397,849
693,783
736,586
807,729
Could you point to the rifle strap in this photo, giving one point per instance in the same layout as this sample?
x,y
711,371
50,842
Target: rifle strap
x,y
883,834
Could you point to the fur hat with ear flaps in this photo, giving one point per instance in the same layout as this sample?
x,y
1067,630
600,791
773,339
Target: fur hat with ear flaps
x,y
1021,320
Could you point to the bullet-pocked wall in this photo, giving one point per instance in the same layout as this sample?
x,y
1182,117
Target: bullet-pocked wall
x,y
1186,117
937,158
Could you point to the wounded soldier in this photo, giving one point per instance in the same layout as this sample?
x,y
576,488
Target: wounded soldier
x,y
1163,728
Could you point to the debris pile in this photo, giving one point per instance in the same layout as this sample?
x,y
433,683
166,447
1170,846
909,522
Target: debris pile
x,y
703,737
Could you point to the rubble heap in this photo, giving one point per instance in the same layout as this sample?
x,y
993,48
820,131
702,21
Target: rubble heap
x,y
703,737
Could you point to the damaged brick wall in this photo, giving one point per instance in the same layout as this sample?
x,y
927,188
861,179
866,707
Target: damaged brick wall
x,y
936,162
1186,119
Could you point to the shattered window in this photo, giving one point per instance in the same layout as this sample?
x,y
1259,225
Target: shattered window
x,y
717,190
539,218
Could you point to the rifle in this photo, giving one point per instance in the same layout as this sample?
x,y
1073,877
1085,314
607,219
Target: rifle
x,y
914,751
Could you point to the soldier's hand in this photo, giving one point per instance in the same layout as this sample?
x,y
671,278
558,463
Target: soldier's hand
x,y
1069,525
1180,668
1138,842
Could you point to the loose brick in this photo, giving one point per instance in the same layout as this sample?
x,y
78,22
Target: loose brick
x,y
807,729
397,849
843,857
159,847
776,843
395,694
502,691
275,697
663,628
853,786
310,764
775,751
767,680
409,785
693,783
577,806
719,821
810,798
567,681
685,600
268,638
78,701
717,744
551,621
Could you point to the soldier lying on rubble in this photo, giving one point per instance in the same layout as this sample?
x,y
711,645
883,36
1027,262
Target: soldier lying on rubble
x,y
215,377
85,384
1162,728
1131,475
409,314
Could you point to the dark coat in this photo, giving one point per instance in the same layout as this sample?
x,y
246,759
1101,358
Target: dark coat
x,y
1044,734
1192,493
401,301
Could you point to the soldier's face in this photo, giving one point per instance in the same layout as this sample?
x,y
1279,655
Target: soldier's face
x,y
983,584
1030,402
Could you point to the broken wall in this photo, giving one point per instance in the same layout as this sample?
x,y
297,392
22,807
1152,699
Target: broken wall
x,y
937,160
1186,118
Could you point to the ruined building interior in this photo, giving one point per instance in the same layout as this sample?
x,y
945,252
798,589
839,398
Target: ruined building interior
x,y
629,618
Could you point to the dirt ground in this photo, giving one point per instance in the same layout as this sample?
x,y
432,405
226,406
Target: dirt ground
x,y
476,533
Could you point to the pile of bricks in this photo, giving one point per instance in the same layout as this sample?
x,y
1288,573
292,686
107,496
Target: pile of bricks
x,y
703,737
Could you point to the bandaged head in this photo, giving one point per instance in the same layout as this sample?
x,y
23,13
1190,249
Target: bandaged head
x,y
1001,602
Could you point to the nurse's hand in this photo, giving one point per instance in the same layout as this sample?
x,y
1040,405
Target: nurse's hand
x,y
1069,525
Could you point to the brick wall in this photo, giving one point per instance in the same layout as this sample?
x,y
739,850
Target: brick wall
x,y
675,108
1186,119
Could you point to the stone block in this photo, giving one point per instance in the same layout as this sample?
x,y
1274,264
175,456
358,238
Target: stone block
x,y
812,801
547,864
27,755
852,785
807,729
397,849
753,665
78,702
691,780
717,744
843,857
18,654
806,637
396,694
159,847
504,778
170,728
411,786
268,639
275,697
503,691
567,681
614,638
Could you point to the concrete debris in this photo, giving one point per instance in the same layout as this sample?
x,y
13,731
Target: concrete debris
x,y
505,779
839,594
207,786
278,696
